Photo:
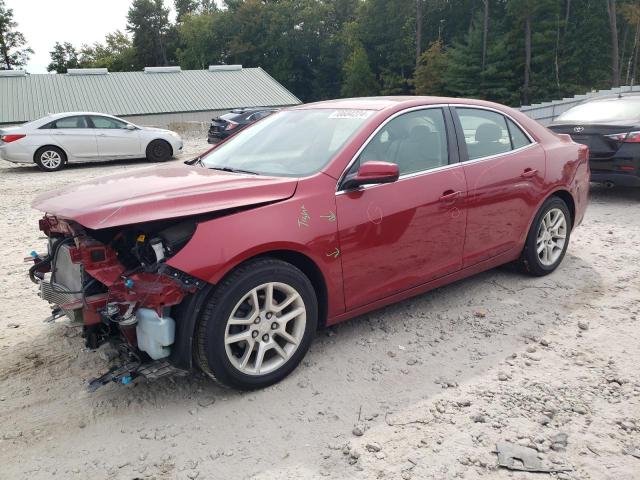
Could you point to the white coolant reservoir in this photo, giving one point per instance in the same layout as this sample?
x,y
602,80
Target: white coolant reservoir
x,y
155,334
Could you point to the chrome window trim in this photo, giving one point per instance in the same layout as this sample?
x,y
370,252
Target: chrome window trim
x,y
380,127
517,124
443,167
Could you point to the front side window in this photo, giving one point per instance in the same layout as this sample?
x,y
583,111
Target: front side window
x,y
485,132
292,143
415,141
106,122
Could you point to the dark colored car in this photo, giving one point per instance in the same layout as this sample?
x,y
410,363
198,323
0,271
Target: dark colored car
x,y
314,215
231,123
610,127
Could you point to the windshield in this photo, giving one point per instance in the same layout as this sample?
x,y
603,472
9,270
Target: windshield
x,y
603,111
293,143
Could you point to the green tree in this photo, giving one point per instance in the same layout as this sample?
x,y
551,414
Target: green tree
x,y
386,28
148,21
63,57
428,78
201,43
116,53
184,8
359,79
13,46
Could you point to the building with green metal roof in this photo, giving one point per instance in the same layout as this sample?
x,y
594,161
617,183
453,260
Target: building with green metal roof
x,y
157,96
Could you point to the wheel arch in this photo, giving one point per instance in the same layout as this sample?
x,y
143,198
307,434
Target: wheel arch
x,y
567,198
187,313
49,145
561,193
158,139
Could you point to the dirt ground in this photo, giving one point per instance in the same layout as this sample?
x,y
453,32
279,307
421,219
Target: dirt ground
x,y
423,389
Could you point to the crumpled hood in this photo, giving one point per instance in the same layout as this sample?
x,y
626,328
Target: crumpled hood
x,y
160,193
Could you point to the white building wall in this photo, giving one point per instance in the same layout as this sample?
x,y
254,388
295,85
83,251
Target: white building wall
x,y
189,120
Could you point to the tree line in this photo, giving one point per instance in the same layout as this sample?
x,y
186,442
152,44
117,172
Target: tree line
x,y
511,51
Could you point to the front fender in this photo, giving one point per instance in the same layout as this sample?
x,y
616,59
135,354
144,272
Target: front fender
x,y
305,223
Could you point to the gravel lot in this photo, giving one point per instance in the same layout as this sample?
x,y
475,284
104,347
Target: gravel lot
x,y
422,389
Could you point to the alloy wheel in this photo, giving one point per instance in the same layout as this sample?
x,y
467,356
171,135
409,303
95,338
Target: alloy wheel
x,y
265,328
50,159
551,237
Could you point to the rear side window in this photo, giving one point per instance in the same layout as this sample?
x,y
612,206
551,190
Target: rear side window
x,y
518,138
488,133
68,122
231,116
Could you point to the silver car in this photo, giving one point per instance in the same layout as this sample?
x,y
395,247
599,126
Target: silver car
x,y
53,141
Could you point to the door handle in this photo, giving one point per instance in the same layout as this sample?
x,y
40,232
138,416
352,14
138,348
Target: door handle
x,y
102,134
529,173
450,195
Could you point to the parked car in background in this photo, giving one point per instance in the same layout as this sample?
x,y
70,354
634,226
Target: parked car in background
x,y
610,127
231,123
55,140
314,215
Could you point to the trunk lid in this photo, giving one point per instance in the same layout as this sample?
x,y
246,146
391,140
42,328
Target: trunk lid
x,y
594,136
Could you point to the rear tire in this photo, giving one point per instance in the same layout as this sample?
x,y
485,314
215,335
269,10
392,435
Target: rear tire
x,y
548,238
159,151
257,326
50,159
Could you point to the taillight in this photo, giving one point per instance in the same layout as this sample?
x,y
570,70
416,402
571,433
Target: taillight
x,y
631,137
11,138
231,125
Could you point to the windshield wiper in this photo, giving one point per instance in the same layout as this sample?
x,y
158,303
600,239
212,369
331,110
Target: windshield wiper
x,y
234,170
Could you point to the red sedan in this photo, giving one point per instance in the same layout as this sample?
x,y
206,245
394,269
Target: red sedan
x,y
309,217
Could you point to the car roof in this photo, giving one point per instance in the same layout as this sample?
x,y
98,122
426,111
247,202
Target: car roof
x,y
73,114
631,96
251,109
396,102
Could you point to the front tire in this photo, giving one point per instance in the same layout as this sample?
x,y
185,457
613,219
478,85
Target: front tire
x,y
159,151
50,159
548,238
257,326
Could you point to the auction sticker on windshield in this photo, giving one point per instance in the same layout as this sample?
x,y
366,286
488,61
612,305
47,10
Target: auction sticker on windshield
x,y
351,114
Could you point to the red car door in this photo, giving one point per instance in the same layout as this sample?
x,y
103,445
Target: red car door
x,y
505,172
399,235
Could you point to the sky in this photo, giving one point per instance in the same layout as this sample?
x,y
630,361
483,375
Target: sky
x,y
45,22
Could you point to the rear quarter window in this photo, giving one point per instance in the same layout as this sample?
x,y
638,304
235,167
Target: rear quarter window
x,y
518,138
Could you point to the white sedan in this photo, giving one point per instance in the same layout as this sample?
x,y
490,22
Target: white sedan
x,y
53,141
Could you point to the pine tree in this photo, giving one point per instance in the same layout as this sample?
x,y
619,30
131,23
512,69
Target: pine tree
x,y
13,46
148,21
359,79
63,57
428,78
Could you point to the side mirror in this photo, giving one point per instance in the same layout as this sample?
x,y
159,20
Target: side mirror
x,y
372,172
130,127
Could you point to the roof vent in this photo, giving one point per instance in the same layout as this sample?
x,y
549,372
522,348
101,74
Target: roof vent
x,y
13,73
87,71
223,68
162,69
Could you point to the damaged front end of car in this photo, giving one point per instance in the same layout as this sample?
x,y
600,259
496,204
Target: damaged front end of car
x,y
115,282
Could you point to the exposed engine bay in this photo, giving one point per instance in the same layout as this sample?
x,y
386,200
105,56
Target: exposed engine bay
x,y
115,282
